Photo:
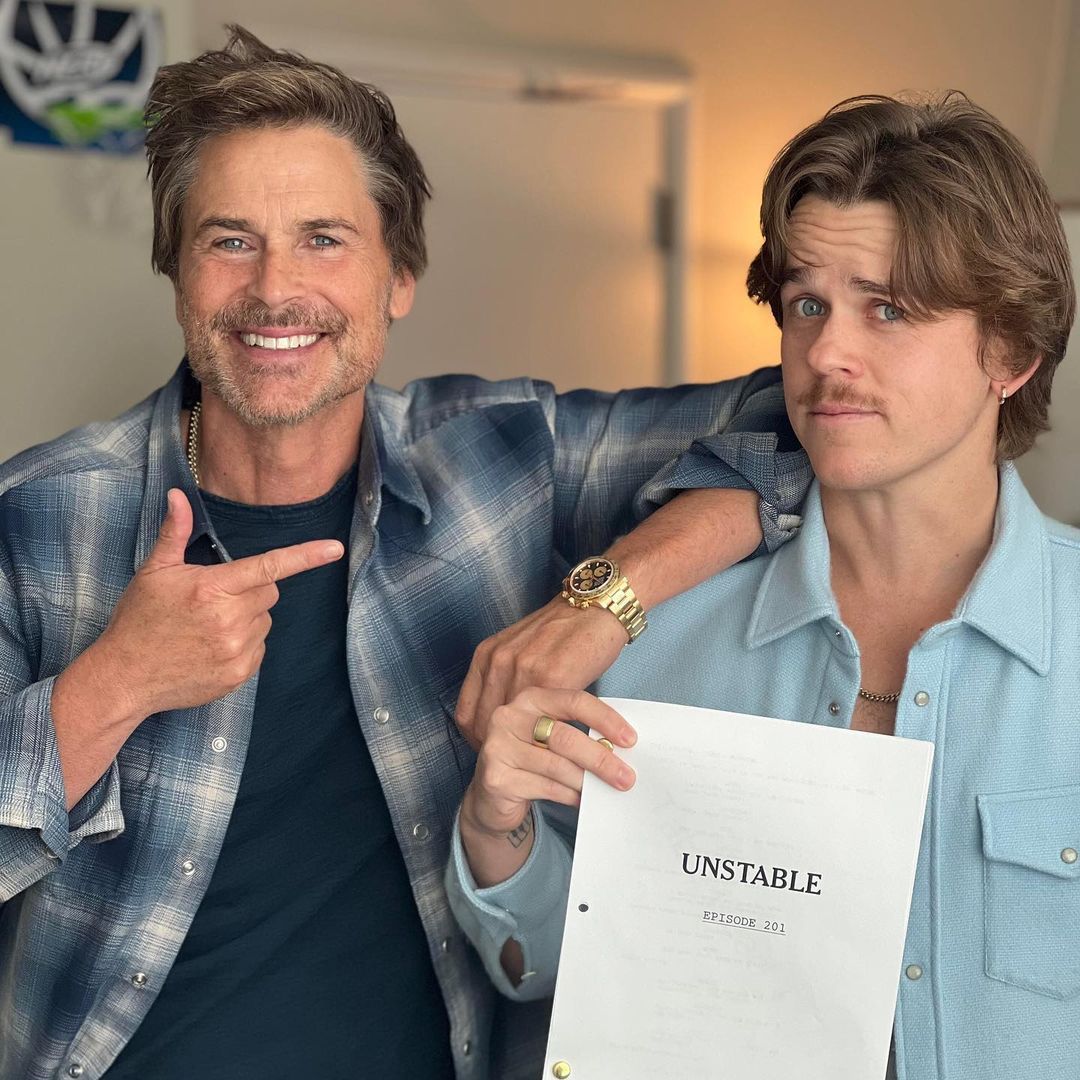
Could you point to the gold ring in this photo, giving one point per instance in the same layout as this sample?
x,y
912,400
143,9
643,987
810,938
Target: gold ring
x,y
606,742
542,729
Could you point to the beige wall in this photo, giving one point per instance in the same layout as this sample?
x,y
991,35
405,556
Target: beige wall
x,y
75,280
762,71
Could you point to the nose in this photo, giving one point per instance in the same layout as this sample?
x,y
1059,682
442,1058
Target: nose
x,y
278,279
835,350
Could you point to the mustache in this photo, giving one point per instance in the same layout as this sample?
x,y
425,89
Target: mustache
x,y
244,313
842,394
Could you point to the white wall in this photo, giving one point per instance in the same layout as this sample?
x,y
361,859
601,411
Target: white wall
x,y
88,329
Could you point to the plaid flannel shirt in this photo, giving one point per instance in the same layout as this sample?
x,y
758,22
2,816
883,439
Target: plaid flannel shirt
x,y
473,500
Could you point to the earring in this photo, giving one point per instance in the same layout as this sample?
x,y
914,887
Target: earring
x,y
1004,395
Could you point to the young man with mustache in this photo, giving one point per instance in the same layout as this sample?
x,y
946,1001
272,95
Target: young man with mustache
x,y
916,265
204,874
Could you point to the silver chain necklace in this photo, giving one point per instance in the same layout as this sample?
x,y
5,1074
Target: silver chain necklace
x,y
193,442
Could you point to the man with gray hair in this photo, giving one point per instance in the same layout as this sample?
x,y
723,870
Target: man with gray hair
x,y
221,843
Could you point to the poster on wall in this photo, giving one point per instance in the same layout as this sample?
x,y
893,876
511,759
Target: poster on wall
x,y
76,75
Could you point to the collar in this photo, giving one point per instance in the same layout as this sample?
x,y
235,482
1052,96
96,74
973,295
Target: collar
x,y
388,413
795,589
1017,566
166,465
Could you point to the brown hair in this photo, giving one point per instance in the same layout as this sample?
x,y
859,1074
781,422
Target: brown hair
x,y
249,85
978,229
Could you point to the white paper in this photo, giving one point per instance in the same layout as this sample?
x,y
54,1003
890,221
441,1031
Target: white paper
x,y
689,976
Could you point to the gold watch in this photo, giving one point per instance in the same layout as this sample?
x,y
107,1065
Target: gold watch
x,y
597,582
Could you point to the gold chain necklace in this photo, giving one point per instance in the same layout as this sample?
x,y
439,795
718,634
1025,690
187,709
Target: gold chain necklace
x,y
193,441
883,699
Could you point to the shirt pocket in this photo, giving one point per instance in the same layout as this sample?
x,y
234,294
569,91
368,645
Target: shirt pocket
x,y
1031,895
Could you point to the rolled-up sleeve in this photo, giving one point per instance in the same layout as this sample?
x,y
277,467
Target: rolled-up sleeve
x,y
620,456
36,829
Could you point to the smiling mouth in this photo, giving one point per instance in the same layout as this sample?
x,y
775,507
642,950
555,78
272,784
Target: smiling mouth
x,y
281,343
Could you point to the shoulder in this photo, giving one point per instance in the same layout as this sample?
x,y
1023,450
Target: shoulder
x,y
1064,545
424,405
112,446
1064,536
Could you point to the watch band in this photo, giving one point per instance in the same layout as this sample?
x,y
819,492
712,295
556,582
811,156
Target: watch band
x,y
623,603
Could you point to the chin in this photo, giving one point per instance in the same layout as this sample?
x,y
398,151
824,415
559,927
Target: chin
x,y
851,470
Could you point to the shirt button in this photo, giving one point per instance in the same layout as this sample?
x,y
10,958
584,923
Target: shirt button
x,y
922,698
139,979
466,1048
420,831
187,868
913,972
76,1070
445,944
834,708
219,745
369,498
382,715
1069,855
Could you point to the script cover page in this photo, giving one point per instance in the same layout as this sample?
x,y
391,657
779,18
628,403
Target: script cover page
x,y
740,912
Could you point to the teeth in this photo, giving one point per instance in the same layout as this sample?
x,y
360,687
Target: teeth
x,y
294,342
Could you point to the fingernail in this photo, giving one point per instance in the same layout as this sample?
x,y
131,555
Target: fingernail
x,y
628,736
626,775
334,550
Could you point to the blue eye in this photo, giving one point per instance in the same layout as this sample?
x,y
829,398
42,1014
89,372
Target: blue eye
x,y
324,241
889,312
231,243
809,307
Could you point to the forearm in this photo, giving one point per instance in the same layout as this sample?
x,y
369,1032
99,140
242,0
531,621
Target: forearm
x,y
92,717
493,857
689,539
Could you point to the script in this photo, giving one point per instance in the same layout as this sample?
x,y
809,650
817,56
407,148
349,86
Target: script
x,y
741,911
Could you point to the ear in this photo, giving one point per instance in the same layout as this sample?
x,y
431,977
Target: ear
x,y
401,294
1012,383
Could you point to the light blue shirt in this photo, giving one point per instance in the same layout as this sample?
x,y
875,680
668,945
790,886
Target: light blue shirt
x,y
990,987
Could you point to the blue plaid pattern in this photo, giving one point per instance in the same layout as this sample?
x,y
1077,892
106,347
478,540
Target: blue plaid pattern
x,y
473,500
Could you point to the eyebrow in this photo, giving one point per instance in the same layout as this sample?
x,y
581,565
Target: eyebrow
x,y
243,225
801,275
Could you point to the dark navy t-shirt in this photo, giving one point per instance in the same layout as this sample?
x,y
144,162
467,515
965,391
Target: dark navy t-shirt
x,y
307,957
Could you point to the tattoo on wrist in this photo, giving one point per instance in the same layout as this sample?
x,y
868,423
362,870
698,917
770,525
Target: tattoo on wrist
x,y
521,833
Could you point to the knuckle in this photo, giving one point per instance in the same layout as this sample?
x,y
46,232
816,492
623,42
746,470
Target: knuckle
x,y
501,660
502,717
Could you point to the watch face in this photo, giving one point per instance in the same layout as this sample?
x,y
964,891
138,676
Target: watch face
x,y
592,576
